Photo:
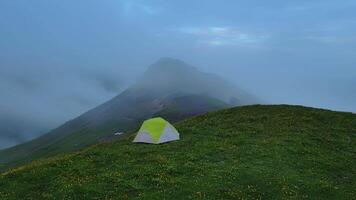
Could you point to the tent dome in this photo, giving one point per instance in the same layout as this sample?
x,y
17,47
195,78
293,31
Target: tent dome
x,y
156,131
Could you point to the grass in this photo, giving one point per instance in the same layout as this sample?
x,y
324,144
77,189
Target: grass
x,y
252,152
100,123
50,145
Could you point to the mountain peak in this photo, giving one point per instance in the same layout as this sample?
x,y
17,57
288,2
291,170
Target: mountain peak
x,y
171,76
171,65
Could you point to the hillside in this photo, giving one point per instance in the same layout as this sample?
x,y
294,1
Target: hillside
x,y
250,152
169,87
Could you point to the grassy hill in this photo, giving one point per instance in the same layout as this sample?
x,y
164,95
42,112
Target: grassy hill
x,y
83,131
170,88
252,152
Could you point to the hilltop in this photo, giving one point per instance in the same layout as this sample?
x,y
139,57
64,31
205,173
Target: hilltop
x,y
249,152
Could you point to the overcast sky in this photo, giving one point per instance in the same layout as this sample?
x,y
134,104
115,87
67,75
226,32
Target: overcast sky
x,y
59,58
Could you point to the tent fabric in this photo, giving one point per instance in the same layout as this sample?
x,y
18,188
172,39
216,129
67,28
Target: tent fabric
x,y
156,131
143,136
169,134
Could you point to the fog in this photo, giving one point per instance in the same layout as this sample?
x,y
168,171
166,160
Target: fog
x,y
60,58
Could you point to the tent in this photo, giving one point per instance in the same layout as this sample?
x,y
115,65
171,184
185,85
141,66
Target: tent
x,y
156,131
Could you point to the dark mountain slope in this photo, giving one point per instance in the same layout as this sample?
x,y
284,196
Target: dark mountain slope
x,y
252,152
170,88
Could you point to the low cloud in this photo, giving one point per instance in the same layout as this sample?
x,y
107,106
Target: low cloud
x,y
332,39
134,7
222,36
35,101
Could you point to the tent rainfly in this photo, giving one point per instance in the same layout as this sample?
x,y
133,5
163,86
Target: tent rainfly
x,y
156,131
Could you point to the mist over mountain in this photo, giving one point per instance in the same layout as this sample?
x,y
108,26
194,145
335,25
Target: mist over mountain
x,y
169,88
53,97
169,75
162,82
60,58
35,100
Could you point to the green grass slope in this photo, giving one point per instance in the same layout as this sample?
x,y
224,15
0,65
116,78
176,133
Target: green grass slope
x,y
102,122
252,152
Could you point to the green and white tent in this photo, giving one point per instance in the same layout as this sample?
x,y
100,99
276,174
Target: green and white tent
x,y
156,131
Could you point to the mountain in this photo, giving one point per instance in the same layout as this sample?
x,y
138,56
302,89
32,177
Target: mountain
x,y
170,88
250,152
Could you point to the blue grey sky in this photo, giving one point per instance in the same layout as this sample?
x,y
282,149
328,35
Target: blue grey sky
x,y
59,58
